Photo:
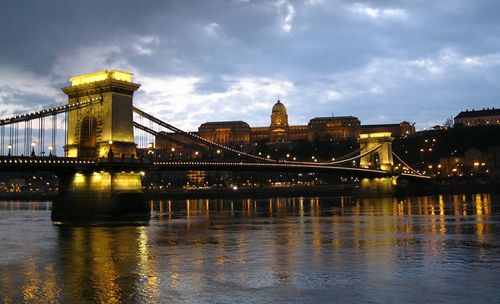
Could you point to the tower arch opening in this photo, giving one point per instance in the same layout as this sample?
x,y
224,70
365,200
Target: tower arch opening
x,y
375,160
88,137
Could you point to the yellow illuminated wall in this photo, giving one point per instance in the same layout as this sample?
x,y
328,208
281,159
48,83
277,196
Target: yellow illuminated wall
x,y
375,135
101,76
378,185
107,182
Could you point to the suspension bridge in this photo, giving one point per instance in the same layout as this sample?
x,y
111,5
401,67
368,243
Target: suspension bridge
x,y
99,144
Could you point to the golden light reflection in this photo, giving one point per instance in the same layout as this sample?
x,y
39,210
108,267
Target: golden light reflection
x,y
174,280
356,222
315,207
409,206
301,204
220,251
102,265
97,262
147,267
482,206
241,244
109,264
79,180
40,285
442,222
270,207
336,226
316,225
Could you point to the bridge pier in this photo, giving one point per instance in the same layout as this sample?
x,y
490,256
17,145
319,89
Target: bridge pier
x,y
100,195
378,186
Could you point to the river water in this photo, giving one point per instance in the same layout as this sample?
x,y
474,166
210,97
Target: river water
x,y
434,249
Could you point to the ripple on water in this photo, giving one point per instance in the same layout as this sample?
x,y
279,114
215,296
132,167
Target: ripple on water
x,y
415,250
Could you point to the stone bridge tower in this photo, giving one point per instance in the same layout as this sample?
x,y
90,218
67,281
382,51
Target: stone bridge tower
x,y
382,157
108,124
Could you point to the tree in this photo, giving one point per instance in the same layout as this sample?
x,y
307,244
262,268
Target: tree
x,y
448,123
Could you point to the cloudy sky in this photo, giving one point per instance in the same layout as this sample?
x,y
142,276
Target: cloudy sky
x,y
383,61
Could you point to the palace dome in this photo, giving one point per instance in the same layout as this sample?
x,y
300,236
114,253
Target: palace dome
x,y
279,108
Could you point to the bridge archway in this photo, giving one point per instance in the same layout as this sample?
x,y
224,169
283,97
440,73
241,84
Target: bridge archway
x,y
88,137
382,157
374,160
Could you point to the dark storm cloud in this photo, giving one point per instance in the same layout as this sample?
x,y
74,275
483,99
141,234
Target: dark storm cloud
x,y
384,61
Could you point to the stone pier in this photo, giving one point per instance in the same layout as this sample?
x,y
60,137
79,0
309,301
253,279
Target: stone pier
x,y
100,195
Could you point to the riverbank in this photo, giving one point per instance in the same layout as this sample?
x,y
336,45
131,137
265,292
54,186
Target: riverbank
x,y
353,190
262,192
334,190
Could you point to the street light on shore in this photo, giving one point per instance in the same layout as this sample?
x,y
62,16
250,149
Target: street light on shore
x,y
150,150
110,153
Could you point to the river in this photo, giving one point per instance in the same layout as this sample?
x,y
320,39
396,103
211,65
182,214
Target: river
x,y
431,249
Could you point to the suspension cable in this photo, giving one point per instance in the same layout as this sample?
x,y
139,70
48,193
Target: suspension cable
x,y
10,137
41,135
25,133
2,143
65,134
156,133
49,111
405,164
54,134
16,138
30,136
196,137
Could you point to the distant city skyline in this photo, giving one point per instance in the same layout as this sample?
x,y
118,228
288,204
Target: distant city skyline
x,y
198,61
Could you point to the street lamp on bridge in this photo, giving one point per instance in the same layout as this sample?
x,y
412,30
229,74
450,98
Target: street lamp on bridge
x,y
9,146
150,150
33,144
172,154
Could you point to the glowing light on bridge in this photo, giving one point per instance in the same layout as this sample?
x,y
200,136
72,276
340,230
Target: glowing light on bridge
x,y
375,135
101,76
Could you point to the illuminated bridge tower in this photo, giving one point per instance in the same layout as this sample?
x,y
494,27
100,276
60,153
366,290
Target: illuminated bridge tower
x,y
112,192
382,157
93,130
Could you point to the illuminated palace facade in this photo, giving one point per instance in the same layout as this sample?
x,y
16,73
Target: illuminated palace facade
x,y
240,134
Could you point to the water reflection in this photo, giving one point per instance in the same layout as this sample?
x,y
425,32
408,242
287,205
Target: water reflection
x,y
88,265
25,205
455,205
288,250
106,264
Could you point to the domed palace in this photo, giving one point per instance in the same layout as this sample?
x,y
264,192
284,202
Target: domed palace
x,y
239,133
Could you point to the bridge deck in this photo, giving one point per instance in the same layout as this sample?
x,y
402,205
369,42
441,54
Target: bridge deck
x,y
58,164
